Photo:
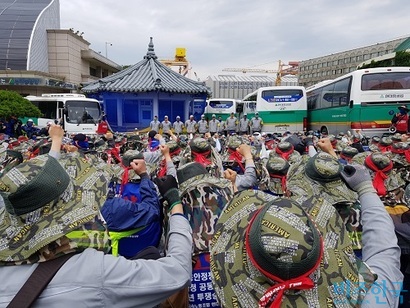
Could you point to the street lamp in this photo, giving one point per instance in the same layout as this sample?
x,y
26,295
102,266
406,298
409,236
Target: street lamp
x,y
106,49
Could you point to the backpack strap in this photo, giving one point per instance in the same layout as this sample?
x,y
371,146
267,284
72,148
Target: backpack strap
x,y
37,282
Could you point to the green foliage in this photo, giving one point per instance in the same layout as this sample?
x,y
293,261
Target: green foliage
x,y
13,104
402,58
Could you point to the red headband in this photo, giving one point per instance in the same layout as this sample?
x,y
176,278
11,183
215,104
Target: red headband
x,y
380,175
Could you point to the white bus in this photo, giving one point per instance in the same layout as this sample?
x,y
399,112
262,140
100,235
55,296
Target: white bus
x,y
364,100
223,107
75,112
282,108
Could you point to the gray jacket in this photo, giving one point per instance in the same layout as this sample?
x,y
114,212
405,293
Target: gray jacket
x,y
248,179
92,279
381,252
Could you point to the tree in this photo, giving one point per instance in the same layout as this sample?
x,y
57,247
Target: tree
x,y
13,104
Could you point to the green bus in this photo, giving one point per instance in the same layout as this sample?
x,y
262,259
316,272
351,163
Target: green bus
x,y
364,100
282,108
223,107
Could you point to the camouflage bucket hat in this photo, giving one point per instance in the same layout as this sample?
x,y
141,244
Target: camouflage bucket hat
x,y
386,141
348,152
189,175
396,137
173,146
234,142
318,176
360,158
401,153
130,155
190,170
384,177
269,252
199,145
385,144
277,168
174,150
375,139
44,200
286,150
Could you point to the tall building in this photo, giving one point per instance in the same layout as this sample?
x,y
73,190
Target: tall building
x,y
37,56
332,66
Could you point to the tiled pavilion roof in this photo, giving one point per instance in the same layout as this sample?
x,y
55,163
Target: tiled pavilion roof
x,y
145,76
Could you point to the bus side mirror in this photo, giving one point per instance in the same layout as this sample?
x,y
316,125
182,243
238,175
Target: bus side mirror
x,y
239,108
351,104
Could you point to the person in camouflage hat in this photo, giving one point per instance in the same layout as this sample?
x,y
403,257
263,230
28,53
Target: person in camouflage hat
x,y
232,158
201,150
337,144
397,137
271,252
278,168
347,154
203,197
385,144
286,150
357,142
374,144
50,210
388,183
249,178
385,179
318,177
49,197
400,154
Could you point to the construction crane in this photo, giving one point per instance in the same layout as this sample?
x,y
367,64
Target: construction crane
x,y
179,61
290,68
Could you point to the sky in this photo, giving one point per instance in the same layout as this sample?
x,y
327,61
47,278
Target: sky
x,y
220,34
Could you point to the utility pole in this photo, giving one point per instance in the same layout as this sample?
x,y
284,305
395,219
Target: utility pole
x,y
106,48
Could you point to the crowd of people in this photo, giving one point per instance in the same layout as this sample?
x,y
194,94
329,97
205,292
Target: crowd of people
x,y
294,219
230,125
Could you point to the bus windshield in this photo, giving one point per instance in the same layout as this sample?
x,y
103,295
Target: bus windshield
x,y
82,112
220,104
282,95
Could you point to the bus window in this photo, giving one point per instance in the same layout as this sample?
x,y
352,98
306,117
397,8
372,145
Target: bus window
x,y
379,81
341,92
312,99
251,106
47,109
326,100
